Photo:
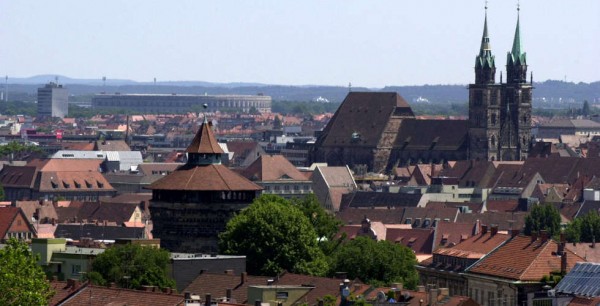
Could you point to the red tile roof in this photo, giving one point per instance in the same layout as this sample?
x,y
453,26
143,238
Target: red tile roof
x,y
523,260
204,178
452,233
419,240
502,205
322,286
103,296
205,141
217,284
273,168
7,217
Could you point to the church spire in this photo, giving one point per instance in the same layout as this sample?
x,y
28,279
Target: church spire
x,y
516,61
485,66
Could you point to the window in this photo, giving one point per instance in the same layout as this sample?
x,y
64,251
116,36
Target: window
x,y
75,269
281,295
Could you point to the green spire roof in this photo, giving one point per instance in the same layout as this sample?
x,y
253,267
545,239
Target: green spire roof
x,y
517,56
485,57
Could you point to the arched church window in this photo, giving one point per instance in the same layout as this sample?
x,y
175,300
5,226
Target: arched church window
x,y
493,119
493,141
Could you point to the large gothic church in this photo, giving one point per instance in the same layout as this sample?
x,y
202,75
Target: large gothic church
x,y
377,131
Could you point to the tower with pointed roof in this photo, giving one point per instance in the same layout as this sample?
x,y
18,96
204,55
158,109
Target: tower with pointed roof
x,y
192,205
499,113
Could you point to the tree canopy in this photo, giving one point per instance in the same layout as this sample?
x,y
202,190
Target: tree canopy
x,y
376,262
585,228
132,266
274,235
543,217
22,280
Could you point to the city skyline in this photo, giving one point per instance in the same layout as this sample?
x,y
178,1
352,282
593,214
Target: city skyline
x,y
307,43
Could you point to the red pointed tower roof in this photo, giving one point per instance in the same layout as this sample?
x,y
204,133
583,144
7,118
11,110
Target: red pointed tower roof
x,y
205,142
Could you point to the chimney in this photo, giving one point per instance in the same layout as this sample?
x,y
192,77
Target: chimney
x,y
514,233
477,227
187,296
257,303
321,303
398,286
421,288
561,244
228,294
483,229
244,276
494,229
207,299
270,282
544,236
433,296
534,236
563,263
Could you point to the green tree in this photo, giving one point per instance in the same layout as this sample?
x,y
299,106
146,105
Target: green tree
x,y
543,217
132,266
324,223
585,228
275,236
277,124
585,110
1,192
376,262
22,280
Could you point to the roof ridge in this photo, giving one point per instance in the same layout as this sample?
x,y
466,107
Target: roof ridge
x,y
548,242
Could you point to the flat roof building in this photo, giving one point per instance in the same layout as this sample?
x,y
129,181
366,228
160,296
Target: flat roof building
x,y
176,103
53,101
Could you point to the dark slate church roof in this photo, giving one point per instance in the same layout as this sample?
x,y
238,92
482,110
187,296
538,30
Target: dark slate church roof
x,y
432,134
364,113
364,199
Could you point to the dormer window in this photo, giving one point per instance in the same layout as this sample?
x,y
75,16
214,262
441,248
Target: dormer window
x,y
54,184
417,222
408,221
88,184
427,222
66,185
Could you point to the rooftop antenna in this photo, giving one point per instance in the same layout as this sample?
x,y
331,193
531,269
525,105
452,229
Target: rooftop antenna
x,y
6,89
154,81
349,86
104,83
56,79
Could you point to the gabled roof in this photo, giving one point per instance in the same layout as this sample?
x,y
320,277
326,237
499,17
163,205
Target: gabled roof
x,y
273,168
204,178
322,286
118,213
417,239
46,210
522,259
72,181
472,207
111,145
7,217
476,246
18,176
452,233
337,176
587,207
370,199
505,220
205,142
366,114
102,296
217,285
352,215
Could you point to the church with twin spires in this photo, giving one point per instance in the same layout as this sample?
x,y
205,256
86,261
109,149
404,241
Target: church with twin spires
x,y
377,131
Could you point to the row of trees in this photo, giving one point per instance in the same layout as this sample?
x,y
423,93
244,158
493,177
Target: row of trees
x,y
547,217
299,236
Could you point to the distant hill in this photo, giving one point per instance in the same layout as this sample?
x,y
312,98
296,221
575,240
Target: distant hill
x,y
549,90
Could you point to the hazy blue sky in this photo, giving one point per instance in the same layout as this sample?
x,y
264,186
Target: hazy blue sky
x,y
369,43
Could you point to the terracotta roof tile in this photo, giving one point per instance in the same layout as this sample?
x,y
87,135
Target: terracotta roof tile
x,y
322,286
204,178
451,233
272,168
524,260
502,205
205,141
217,285
102,296
7,216
419,240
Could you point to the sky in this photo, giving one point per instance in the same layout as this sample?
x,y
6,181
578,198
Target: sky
x,y
369,43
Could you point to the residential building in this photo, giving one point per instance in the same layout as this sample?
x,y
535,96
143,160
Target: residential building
x,y
445,269
330,183
192,205
511,271
14,224
276,175
53,101
55,178
63,261
185,267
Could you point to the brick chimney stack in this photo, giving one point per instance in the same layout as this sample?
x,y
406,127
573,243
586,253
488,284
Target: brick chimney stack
x,y
563,263
484,229
544,236
534,236
494,229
